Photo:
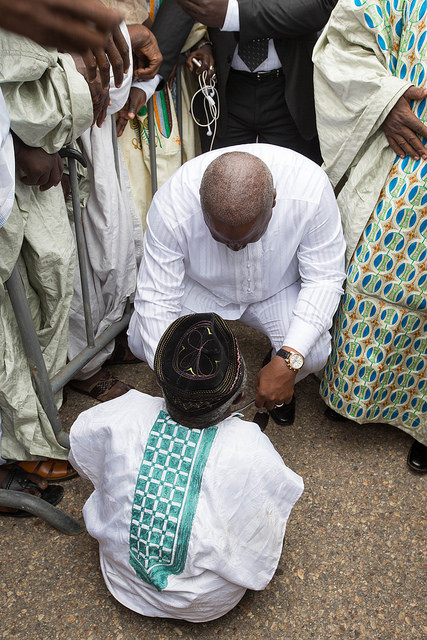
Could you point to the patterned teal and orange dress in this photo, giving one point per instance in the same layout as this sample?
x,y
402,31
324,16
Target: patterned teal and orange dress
x,y
377,368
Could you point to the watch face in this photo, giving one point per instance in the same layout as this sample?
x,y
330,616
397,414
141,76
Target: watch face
x,y
296,360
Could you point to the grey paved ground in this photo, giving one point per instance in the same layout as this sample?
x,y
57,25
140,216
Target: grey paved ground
x,y
353,563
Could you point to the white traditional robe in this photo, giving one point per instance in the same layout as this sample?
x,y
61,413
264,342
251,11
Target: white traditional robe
x,y
287,284
197,544
169,141
113,233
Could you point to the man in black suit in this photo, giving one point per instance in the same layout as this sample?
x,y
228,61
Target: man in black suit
x,y
273,101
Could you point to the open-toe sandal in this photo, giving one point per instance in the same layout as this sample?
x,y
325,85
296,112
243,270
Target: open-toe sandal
x,y
52,470
102,386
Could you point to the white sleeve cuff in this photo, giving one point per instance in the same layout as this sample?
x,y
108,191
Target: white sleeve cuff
x,y
148,86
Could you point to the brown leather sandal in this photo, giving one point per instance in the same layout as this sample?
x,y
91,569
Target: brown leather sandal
x,y
102,386
52,470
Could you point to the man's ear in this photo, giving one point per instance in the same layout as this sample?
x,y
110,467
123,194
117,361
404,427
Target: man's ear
x,y
274,198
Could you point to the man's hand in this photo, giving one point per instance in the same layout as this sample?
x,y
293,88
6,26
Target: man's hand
x,y
99,93
100,101
274,384
403,128
146,53
135,102
69,25
205,56
36,167
209,12
114,54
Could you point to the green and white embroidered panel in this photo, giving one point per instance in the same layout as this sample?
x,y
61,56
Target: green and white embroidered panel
x,y
166,496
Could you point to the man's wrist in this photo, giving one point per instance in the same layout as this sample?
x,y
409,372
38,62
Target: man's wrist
x,y
293,359
149,87
202,43
291,349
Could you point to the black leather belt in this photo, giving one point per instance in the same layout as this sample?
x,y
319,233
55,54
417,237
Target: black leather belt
x,y
260,75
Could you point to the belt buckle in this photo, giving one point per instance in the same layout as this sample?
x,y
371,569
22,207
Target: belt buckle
x,y
274,73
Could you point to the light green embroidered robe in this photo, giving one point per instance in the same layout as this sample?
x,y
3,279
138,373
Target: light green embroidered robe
x,y
49,105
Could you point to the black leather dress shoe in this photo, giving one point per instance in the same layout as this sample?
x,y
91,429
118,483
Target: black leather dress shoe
x,y
284,415
417,457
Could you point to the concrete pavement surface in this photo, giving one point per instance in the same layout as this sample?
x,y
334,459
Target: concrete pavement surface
x,y
354,558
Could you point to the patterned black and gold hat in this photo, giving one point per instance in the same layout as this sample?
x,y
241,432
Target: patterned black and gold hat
x,y
198,363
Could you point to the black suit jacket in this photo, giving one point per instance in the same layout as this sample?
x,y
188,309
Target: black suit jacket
x,y
294,26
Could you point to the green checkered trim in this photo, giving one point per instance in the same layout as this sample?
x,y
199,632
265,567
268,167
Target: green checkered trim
x,y
166,496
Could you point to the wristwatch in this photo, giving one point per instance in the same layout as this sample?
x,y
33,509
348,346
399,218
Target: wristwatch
x,y
294,360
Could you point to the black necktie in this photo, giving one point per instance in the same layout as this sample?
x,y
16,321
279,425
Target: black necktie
x,y
254,52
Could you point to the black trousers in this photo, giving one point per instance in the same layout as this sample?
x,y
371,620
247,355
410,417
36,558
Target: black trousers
x,y
257,112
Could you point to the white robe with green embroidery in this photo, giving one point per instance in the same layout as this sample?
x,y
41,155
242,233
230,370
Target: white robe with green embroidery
x,y
186,519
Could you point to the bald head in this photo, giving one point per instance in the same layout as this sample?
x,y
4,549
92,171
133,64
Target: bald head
x,y
236,188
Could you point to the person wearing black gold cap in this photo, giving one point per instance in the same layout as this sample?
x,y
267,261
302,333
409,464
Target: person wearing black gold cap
x,y
191,502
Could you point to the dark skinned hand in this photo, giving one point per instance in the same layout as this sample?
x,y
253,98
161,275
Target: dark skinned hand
x,y
100,94
135,102
100,101
274,384
209,12
69,25
403,128
114,55
205,57
36,167
146,53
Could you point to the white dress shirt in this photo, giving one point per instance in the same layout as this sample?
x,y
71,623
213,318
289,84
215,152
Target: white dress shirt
x,y
301,254
236,536
232,23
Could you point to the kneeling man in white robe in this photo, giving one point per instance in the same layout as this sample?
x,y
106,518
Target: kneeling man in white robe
x,y
191,502
251,232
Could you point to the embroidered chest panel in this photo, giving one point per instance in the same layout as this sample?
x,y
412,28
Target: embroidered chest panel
x,y
166,496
